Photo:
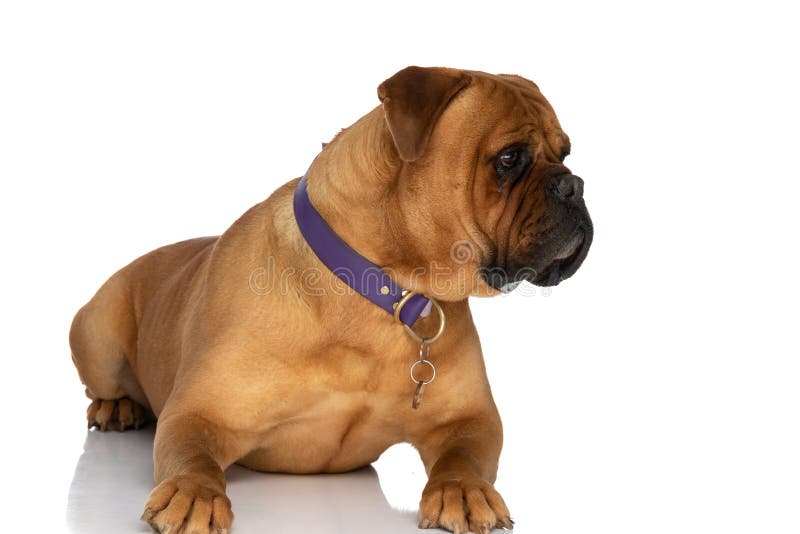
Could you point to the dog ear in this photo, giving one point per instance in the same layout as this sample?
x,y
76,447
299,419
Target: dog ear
x,y
413,100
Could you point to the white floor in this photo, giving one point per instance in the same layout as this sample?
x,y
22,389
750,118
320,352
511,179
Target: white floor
x,y
114,475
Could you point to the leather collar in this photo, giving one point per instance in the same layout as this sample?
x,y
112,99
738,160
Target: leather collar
x,y
351,267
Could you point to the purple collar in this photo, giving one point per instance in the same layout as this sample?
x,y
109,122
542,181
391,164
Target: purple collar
x,y
351,267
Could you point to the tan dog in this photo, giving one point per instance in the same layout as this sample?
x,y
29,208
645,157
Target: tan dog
x,y
287,377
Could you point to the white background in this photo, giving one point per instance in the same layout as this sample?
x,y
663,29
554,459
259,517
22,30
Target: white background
x,y
656,391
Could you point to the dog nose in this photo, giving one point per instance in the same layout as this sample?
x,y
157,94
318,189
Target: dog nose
x,y
568,187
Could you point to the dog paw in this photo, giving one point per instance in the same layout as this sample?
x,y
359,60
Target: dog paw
x,y
116,414
463,505
181,504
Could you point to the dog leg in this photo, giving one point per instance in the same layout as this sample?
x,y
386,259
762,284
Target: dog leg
x,y
461,461
189,455
102,339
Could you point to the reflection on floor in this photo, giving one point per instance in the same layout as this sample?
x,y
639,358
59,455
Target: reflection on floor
x,y
114,475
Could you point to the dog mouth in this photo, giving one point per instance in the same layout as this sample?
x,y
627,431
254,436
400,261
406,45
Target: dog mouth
x,y
567,261
563,265
557,259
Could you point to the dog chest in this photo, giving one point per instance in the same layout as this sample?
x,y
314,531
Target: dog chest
x,y
333,435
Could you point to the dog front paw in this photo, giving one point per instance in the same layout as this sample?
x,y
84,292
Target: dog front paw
x,y
185,504
461,505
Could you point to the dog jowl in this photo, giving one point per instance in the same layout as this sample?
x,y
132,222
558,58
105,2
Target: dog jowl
x,y
302,381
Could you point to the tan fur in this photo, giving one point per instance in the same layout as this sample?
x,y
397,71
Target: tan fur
x,y
285,380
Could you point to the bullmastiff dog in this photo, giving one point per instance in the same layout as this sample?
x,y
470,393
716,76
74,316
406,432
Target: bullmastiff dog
x,y
267,347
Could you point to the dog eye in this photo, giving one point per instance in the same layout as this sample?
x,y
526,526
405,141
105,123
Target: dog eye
x,y
508,159
511,162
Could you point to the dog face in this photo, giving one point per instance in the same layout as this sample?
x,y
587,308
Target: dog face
x,y
485,170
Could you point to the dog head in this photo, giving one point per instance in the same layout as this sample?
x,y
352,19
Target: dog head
x,y
483,185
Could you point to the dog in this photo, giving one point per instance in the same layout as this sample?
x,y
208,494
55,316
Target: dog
x,y
331,320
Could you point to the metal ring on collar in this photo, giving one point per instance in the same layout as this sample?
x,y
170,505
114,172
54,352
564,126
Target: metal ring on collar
x,y
410,330
423,382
